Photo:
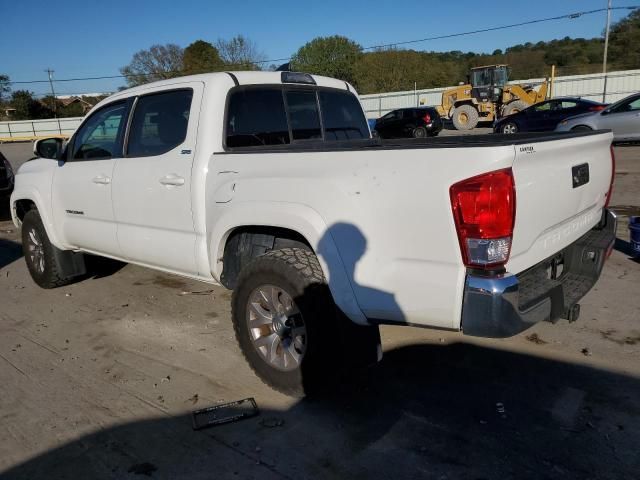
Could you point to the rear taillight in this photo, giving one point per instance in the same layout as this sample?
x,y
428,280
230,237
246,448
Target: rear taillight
x,y
427,118
484,209
597,108
613,175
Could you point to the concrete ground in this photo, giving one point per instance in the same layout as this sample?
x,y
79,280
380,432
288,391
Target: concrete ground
x,y
98,379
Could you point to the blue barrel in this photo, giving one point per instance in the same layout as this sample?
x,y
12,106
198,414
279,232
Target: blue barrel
x,y
634,233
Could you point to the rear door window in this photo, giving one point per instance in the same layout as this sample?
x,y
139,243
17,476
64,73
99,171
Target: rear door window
x,y
159,123
304,117
567,104
342,116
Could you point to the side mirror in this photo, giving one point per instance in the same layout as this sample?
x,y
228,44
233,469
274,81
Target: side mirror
x,y
48,148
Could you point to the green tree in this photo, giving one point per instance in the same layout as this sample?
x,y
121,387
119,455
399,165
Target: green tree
x,y
28,108
334,56
201,57
394,70
159,62
624,42
241,53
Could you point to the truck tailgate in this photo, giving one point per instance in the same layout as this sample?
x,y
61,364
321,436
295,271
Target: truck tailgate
x,y
561,188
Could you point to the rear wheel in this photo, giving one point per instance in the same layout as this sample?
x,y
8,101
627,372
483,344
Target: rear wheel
x,y
465,117
581,128
509,128
40,255
288,328
419,132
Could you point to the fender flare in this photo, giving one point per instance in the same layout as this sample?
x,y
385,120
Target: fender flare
x,y
46,215
299,218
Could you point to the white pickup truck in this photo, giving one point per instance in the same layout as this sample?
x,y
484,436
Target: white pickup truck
x,y
270,184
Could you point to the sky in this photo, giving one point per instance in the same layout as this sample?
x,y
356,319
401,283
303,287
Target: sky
x,y
96,38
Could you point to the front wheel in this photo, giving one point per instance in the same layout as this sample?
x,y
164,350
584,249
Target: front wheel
x,y
288,328
509,128
41,257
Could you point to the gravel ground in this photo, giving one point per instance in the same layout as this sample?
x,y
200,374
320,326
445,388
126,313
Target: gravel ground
x,y
99,379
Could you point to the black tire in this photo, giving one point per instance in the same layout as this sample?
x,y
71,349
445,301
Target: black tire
x,y
44,267
296,272
419,132
581,128
514,107
509,128
465,117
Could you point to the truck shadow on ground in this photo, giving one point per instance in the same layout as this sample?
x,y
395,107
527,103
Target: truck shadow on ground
x,y
426,411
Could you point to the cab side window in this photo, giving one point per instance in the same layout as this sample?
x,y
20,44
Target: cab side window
x,y
544,107
257,117
100,137
159,123
629,106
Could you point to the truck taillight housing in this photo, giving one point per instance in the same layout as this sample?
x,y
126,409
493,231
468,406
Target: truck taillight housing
x,y
427,118
484,210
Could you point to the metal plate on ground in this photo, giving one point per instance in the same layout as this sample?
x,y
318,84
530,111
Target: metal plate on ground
x,y
224,413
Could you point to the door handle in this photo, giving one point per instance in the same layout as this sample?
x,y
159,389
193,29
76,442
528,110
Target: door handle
x,y
172,180
102,180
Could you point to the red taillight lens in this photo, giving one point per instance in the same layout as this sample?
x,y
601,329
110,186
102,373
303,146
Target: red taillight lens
x,y
484,209
427,118
597,108
613,176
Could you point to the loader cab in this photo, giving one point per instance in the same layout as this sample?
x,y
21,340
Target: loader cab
x,y
487,83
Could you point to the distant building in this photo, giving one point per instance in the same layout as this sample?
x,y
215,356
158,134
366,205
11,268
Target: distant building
x,y
86,106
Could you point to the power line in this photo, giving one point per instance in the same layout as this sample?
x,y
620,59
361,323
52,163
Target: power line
x,y
569,16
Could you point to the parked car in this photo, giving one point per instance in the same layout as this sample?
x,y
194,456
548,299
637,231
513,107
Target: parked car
x,y
321,239
6,182
544,116
417,122
622,118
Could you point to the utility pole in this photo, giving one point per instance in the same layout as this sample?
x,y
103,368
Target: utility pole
x,y
606,47
53,93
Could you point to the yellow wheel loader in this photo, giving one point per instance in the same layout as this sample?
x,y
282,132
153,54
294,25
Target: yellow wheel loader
x,y
487,97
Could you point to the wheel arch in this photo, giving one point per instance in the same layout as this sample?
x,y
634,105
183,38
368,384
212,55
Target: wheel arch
x,y
289,222
582,125
22,202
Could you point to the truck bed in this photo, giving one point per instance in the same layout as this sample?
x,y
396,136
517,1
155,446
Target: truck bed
x,y
450,141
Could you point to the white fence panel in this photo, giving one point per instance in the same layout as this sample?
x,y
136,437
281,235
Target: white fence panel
x,y
39,128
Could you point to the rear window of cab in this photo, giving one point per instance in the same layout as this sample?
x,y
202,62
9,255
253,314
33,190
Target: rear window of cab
x,y
281,115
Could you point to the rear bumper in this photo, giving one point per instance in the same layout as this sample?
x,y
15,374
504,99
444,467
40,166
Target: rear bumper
x,y
505,305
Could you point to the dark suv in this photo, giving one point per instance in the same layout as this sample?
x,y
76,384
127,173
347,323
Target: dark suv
x,y
6,182
409,122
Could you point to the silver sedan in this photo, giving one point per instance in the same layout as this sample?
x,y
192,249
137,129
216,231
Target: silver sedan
x,y
622,117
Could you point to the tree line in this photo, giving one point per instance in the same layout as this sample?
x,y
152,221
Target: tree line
x,y
370,71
